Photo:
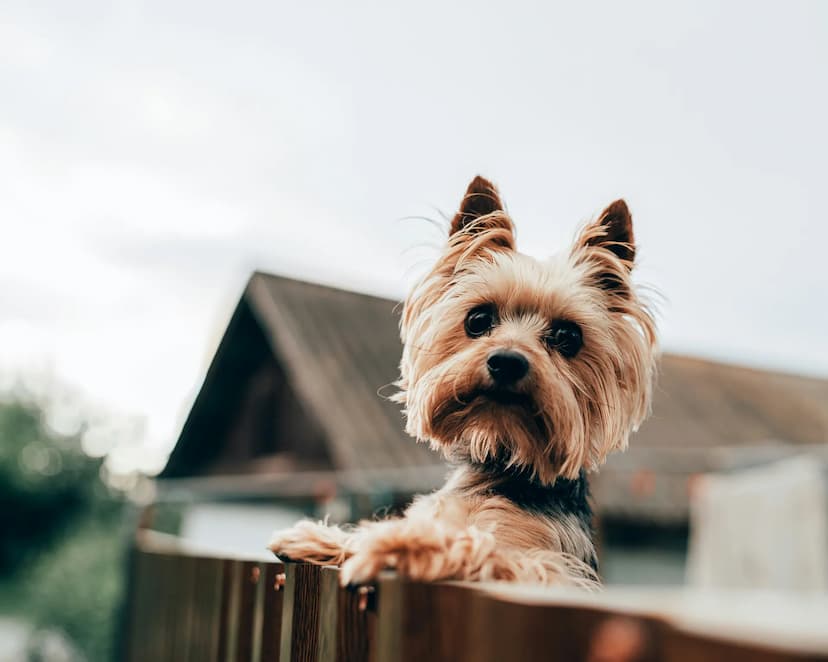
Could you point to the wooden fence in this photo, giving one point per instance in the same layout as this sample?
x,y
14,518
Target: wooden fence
x,y
186,606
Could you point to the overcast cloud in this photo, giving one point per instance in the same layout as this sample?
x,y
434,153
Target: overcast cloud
x,y
152,154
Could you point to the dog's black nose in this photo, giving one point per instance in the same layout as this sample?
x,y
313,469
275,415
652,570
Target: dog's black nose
x,y
507,366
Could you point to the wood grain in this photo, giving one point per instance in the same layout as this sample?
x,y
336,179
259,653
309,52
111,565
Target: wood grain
x,y
300,613
184,606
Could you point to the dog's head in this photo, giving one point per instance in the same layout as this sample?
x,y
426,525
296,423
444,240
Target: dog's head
x,y
546,366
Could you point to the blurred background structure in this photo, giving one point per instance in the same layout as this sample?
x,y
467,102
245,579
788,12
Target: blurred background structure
x,y
154,155
289,422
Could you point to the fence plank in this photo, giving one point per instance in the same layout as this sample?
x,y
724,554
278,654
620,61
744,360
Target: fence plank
x,y
159,569
169,600
356,624
328,614
347,620
183,606
272,611
138,598
206,596
684,647
250,572
555,632
228,621
422,621
389,618
300,613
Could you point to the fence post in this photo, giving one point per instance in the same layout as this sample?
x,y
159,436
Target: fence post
x,y
300,613
347,620
272,611
248,587
206,597
421,621
389,618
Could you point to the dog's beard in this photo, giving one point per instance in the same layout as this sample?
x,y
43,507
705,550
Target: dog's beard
x,y
498,410
488,424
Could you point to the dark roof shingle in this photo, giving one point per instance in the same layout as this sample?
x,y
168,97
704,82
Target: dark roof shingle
x,y
341,350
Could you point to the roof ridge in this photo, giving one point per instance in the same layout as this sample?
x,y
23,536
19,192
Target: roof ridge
x,y
267,275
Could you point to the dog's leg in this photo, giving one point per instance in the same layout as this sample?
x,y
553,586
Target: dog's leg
x,y
419,549
313,542
424,552
445,536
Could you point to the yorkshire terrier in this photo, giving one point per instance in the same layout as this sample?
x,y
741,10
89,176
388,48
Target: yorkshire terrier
x,y
525,375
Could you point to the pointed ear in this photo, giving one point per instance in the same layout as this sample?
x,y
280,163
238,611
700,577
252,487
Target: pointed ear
x,y
481,199
613,231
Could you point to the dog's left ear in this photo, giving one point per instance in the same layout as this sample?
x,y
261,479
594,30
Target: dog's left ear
x,y
481,199
481,222
613,231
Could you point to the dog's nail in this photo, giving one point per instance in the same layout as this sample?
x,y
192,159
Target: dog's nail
x,y
279,581
365,593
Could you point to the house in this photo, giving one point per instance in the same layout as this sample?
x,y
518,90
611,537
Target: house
x,y
291,419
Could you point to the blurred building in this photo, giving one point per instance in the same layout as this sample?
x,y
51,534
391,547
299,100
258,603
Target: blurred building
x,y
290,419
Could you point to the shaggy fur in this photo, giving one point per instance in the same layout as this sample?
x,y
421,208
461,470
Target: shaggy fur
x,y
515,507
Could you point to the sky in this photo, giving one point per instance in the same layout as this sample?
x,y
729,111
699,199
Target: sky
x,y
153,154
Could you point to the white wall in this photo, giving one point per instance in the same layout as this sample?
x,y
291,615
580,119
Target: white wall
x,y
234,528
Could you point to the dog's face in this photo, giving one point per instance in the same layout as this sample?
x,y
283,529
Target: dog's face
x,y
544,365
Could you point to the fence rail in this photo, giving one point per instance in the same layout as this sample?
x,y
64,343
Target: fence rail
x,y
185,606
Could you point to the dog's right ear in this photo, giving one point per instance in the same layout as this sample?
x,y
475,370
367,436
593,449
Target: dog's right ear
x,y
481,211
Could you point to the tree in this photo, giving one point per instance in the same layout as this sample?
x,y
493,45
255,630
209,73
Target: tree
x,y
61,531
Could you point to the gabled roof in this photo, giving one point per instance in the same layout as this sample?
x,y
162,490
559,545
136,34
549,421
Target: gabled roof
x,y
710,417
702,403
336,351
341,350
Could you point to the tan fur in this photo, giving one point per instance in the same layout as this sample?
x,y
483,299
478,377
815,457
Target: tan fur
x,y
449,534
571,412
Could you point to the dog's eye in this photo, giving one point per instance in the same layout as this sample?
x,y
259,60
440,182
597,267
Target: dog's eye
x,y
480,320
565,337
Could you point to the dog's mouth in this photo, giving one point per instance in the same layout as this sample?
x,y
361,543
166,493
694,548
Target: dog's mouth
x,y
495,408
503,397
498,401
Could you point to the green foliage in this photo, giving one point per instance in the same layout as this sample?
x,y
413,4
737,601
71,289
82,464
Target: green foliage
x,y
45,481
62,533
77,587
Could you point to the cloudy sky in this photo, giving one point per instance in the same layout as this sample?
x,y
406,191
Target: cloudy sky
x,y
152,154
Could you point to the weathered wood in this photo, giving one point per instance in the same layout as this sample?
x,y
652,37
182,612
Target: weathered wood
x,y
139,609
168,603
273,599
250,576
508,630
183,606
162,568
206,596
347,620
328,614
685,647
422,621
183,580
356,624
389,618
300,613
228,609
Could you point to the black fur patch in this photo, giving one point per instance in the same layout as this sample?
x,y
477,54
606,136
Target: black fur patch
x,y
563,498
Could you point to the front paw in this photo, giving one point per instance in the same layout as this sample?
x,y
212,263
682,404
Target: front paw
x,y
419,553
313,542
416,560
363,567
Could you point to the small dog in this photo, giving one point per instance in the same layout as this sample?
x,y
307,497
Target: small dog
x,y
525,374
